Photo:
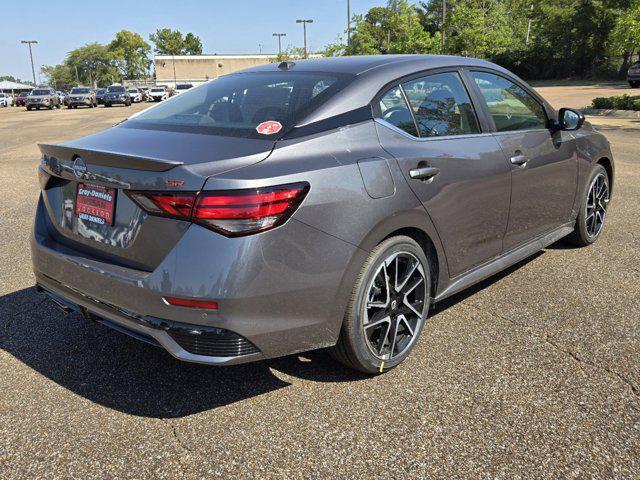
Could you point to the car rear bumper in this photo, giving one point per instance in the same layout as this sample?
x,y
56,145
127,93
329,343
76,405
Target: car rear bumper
x,y
281,292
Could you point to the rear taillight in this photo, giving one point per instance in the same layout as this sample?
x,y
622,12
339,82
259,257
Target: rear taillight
x,y
229,212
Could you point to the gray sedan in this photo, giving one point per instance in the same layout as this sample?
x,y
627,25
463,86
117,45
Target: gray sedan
x,y
310,204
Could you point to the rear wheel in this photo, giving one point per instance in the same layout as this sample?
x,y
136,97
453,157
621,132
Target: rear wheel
x,y
593,208
387,309
634,84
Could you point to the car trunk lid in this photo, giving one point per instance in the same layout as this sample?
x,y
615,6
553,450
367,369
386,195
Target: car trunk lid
x,y
121,159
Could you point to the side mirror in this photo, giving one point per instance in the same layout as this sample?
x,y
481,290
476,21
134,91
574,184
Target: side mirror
x,y
569,119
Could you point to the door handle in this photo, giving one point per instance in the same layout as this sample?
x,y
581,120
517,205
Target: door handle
x,y
519,160
424,173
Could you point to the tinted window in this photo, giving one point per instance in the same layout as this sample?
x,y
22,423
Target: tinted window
x,y
41,92
115,90
441,105
236,104
79,90
511,107
394,110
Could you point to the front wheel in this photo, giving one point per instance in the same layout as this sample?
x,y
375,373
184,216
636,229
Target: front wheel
x,y
593,208
634,84
387,308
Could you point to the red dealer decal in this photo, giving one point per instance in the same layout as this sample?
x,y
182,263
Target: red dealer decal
x,y
269,128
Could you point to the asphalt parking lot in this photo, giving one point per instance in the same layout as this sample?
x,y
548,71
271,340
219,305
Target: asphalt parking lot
x,y
535,373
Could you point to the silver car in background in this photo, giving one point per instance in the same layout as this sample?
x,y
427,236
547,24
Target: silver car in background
x,y
311,204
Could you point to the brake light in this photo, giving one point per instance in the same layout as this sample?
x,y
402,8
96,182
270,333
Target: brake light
x,y
191,303
230,212
165,204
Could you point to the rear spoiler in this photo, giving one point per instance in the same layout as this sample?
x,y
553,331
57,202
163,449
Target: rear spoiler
x,y
108,159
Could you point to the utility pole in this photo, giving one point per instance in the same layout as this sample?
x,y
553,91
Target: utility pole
x,y
304,25
173,60
33,70
279,35
348,23
526,42
444,18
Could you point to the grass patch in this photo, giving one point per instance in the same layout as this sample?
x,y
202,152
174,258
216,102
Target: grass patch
x,y
622,102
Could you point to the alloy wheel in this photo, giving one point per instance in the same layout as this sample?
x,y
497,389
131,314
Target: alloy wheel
x,y
597,202
394,306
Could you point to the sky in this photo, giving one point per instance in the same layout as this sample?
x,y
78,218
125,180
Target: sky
x,y
224,26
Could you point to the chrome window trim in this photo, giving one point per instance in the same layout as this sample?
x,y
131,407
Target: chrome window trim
x,y
384,123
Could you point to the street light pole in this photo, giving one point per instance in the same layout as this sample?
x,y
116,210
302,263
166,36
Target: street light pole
x,y
348,23
444,17
33,70
304,26
279,35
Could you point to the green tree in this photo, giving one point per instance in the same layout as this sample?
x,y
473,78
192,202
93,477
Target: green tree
x,y
130,54
625,37
59,76
395,28
94,63
171,42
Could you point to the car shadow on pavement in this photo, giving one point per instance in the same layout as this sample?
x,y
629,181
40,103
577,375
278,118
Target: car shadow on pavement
x,y
119,372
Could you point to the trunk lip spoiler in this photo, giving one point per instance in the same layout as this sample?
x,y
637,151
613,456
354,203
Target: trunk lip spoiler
x,y
108,158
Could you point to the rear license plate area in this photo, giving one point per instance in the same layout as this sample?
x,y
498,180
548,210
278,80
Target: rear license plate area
x,y
95,204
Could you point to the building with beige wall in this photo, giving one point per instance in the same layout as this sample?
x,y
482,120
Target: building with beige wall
x,y
197,69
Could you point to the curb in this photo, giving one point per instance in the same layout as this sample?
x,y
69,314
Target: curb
x,y
611,113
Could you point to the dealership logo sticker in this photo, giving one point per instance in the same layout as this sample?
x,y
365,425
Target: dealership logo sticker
x,y
269,128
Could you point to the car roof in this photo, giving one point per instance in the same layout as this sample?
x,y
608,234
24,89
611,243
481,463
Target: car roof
x,y
358,65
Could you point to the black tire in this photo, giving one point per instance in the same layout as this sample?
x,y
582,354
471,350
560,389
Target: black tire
x,y
634,84
354,347
68,106
28,109
107,104
585,233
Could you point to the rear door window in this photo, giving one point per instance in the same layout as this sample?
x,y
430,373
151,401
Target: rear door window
x,y
441,105
512,107
394,110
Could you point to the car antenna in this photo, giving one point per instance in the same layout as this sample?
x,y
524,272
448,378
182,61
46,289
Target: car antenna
x,y
286,65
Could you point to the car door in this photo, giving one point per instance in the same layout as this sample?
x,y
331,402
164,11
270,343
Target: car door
x,y
459,173
543,163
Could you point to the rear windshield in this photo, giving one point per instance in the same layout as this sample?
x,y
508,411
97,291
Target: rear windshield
x,y
133,90
157,89
115,89
234,105
40,92
101,90
183,87
80,90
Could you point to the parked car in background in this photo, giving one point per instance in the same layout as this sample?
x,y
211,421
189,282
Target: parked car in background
x,y
6,100
100,93
158,94
329,204
117,95
135,94
633,75
43,98
81,97
182,87
21,99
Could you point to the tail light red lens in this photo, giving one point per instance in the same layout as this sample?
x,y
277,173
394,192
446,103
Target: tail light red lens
x,y
230,212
